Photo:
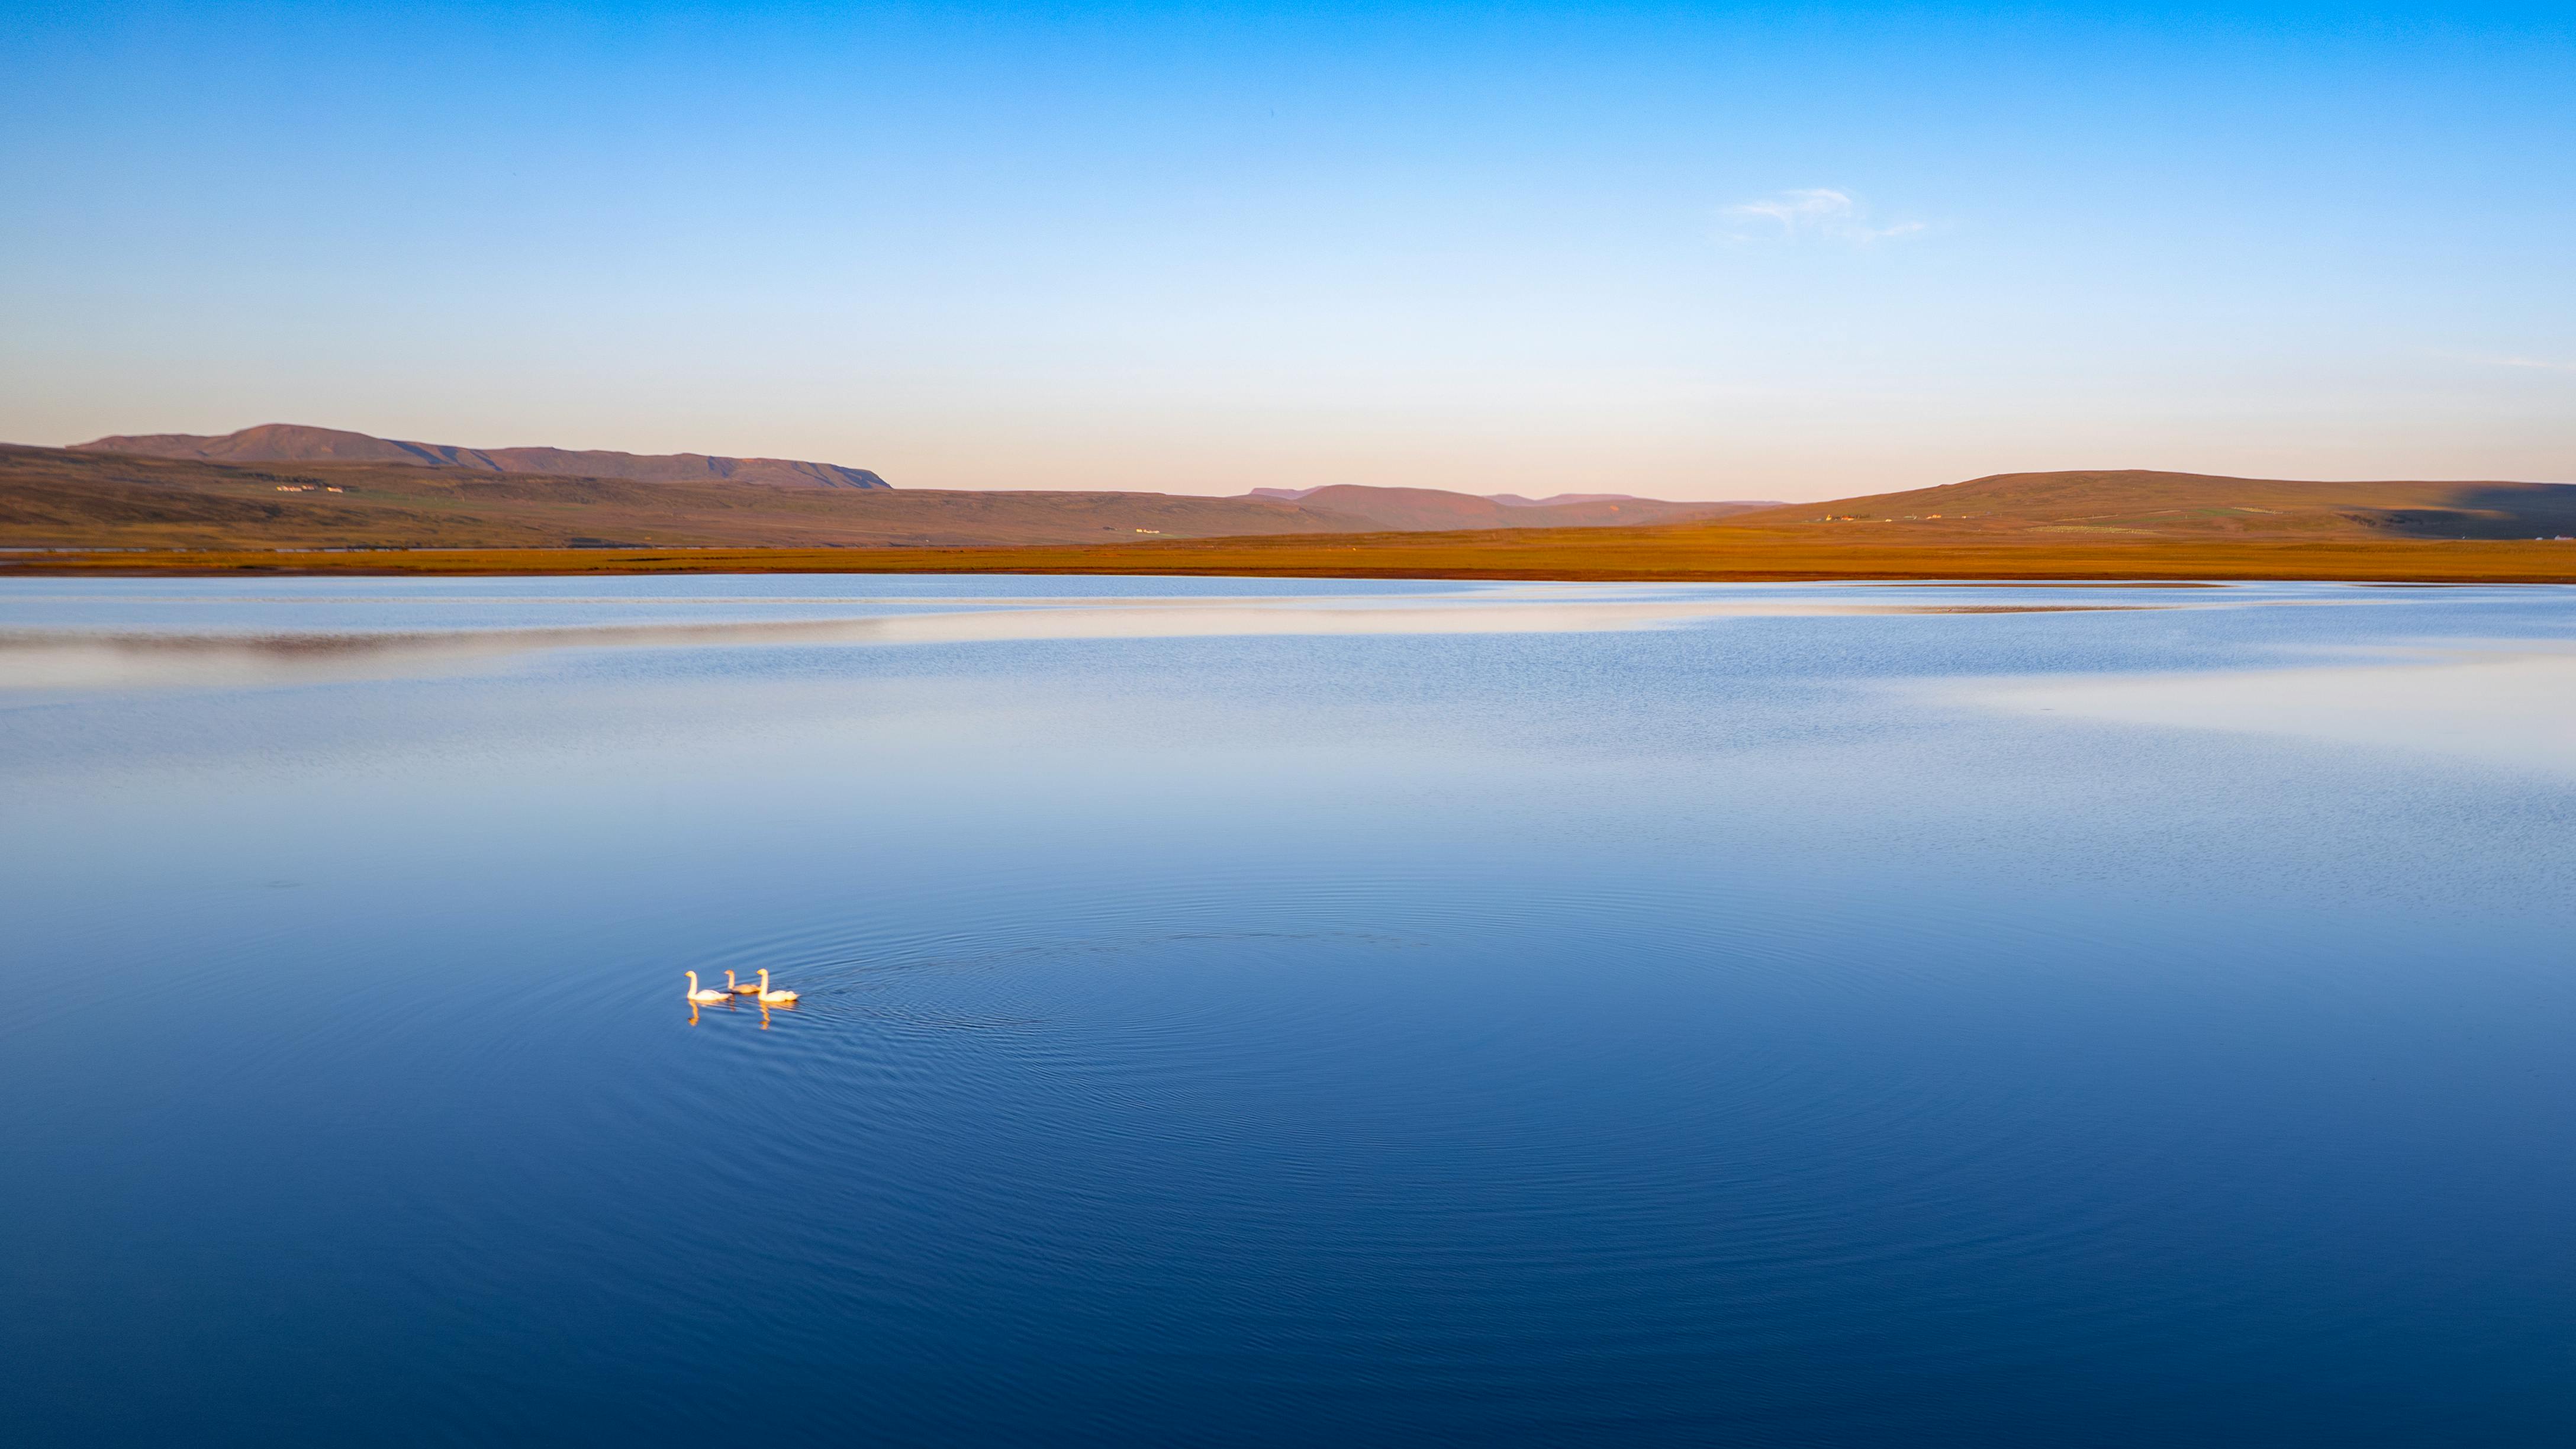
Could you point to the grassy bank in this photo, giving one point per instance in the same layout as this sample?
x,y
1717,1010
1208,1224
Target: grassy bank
x,y
1713,553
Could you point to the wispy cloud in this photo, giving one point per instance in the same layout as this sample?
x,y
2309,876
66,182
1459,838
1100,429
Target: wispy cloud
x,y
1814,214
2532,364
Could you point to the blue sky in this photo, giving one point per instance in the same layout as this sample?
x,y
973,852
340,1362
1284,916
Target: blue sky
x,y
1689,252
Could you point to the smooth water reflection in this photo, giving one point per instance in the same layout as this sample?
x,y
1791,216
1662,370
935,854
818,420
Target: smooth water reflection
x,y
1244,1012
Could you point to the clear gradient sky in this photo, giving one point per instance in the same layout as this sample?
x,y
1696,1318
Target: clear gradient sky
x,y
1689,252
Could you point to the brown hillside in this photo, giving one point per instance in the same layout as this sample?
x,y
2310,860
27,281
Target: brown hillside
x,y
292,443
2034,526
2140,502
51,497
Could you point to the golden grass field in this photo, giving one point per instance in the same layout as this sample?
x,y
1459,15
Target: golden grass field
x,y
1687,552
66,512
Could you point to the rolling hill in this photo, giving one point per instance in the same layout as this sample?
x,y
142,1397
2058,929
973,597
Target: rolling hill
x,y
87,497
294,443
2074,524
2145,503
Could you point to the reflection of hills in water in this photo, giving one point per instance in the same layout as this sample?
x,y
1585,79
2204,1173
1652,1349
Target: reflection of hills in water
x,y
2498,706
97,657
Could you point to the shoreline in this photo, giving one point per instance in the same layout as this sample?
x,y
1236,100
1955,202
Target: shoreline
x,y
1711,556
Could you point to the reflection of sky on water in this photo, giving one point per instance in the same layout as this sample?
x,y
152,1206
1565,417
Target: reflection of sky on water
x,y
1332,1013
2509,707
2492,703
78,657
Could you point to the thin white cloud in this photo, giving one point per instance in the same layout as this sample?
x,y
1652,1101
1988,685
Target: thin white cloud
x,y
1818,213
2532,364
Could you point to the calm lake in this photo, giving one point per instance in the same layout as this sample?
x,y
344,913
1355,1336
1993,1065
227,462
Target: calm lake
x,y
1259,1012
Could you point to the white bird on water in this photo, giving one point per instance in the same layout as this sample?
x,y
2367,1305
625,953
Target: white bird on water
x,y
741,988
707,995
780,997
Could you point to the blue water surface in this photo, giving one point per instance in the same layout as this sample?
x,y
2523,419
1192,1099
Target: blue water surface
x,y
1426,1013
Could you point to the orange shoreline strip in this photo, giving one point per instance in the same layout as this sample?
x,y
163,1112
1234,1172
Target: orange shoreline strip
x,y
1714,554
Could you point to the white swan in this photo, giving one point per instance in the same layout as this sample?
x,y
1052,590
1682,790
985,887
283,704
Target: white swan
x,y
708,995
779,997
741,988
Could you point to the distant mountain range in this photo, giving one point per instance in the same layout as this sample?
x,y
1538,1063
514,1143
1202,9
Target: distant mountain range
x,y
293,443
1508,500
1424,509
282,485
299,487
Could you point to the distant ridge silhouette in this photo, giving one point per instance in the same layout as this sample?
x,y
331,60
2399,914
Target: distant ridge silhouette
x,y
304,487
1436,508
295,443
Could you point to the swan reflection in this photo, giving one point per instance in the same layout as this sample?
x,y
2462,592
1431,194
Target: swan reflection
x,y
735,990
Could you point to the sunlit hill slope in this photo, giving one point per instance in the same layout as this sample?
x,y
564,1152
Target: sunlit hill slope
x,y
197,513
283,487
2139,502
